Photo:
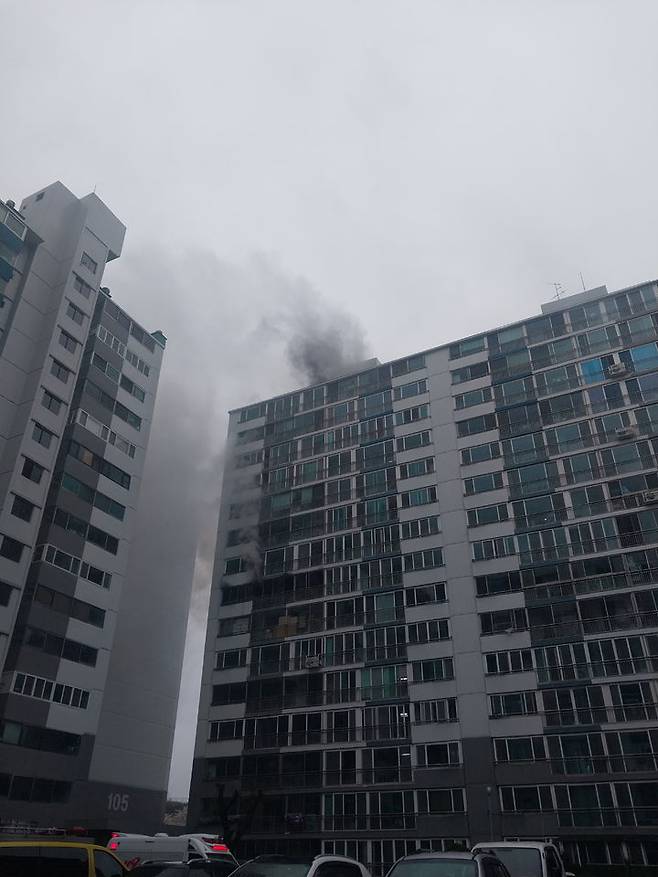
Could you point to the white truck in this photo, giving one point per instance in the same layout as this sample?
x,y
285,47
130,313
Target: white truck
x,y
526,858
135,849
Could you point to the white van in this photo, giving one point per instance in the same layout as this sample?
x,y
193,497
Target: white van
x,y
133,849
526,858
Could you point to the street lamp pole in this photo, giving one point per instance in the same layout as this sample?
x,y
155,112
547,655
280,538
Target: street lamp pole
x,y
489,812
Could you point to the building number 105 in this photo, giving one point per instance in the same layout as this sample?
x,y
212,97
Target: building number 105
x,y
117,802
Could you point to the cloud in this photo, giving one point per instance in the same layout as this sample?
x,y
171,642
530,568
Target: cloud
x,y
237,333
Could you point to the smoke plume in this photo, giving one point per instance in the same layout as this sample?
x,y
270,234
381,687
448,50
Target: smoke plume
x,y
237,334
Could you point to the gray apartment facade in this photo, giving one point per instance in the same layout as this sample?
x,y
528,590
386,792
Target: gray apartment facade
x,y
78,379
433,617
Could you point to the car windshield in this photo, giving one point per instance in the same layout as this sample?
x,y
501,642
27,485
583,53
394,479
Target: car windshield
x,y
435,868
273,869
519,861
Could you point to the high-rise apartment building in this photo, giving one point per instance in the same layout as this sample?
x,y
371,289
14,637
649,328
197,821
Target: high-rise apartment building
x,y
78,378
434,616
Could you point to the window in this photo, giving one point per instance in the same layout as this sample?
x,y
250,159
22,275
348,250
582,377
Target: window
x,y
80,286
404,366
93,497
487,514
414,440
519,749
106,866
231,659
436,711
11,549
514,661
473,397
522,799
518,703
470,373
52,403
67,341
429,526
105,433
32,471
409,415
22,508
497,583
67,605
583,705
87,262
236,626
429,631
142,336
480,453
230,730
42,435
92,534
415,388
503,621
433,670
111,341
441,800
424,594
488,549
61,372
59,646
132,388
99,464
69,563
233,692
421,496
46,689
428,559
75,314
139,363
467,347
633,702
439,754
483,483
416,468
475,425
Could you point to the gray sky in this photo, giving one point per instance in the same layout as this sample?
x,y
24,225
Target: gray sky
x,y
428,167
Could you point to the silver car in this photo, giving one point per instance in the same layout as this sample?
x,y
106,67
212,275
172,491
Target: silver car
x,y
448,865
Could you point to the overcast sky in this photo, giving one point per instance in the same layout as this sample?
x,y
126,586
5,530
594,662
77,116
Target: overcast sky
x,y
429,168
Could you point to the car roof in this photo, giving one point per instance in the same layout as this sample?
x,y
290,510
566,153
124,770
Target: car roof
x,y
303,860
430,855
512,844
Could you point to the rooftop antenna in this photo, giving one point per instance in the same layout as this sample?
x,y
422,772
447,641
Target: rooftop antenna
x,y
559,290
582,280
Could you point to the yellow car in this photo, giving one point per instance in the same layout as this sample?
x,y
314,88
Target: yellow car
x,y
45,858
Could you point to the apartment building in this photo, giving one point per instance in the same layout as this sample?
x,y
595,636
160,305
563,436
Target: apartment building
x,y
78,378
433,618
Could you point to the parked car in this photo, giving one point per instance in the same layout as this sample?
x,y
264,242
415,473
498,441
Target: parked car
x,y
44,858
193,868
527,858
135,849
291,866
427,864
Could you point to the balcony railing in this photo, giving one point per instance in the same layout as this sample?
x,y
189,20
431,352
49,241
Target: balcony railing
x,y
296,699
368,734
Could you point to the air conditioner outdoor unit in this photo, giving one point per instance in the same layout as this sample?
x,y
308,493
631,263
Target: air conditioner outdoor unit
x,y
617,369
314,662
649,496
625,432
